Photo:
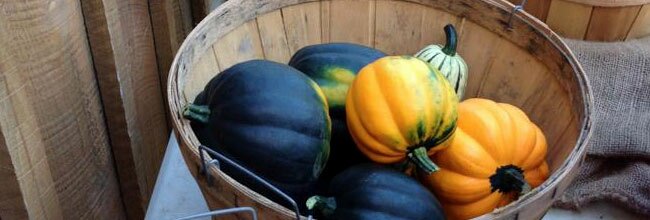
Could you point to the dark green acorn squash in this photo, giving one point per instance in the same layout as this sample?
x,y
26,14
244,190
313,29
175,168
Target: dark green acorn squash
x,y
334,66
271,119
371,191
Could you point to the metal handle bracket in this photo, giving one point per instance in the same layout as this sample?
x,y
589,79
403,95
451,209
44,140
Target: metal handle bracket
x,y
217,158
516,9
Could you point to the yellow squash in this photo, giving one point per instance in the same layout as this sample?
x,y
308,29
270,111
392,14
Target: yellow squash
x,y
496,155
400,107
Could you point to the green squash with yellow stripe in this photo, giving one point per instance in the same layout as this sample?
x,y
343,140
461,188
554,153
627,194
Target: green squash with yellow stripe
x,y
334,66
272,120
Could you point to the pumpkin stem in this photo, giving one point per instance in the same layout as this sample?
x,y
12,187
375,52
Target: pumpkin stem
x,y
198,113
509,178
322,205
450,46
420,157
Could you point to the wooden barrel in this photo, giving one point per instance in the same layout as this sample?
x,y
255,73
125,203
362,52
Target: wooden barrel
x,y
594,20
526,65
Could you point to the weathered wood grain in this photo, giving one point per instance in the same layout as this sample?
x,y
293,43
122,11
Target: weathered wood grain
x,y
433,23
302,25
273,36
352,21
240,45
54,146
478,47
611,24
569,19
121,40
171,21
641,26
398,27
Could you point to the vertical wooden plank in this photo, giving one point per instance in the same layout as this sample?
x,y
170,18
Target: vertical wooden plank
x,y
240,45
202,71
477,46
171,23
569,19
513,76
272,34
397,27
302,25
325,21
122,44
199,10
641,26
12,205
611,24
433,23
54,146
358,24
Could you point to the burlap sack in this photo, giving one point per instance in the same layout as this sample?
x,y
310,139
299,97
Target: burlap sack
x,y
617,168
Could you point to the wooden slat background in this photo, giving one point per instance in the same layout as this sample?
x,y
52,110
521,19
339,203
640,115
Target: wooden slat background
x,y
593,20
54,150
83,122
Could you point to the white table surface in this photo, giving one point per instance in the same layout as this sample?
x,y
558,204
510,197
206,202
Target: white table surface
x,y
177,195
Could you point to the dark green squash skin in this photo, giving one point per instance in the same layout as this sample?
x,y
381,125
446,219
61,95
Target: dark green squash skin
x,y
269,118
371,191
320,62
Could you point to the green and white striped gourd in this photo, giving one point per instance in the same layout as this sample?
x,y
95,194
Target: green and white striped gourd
x,y
450,63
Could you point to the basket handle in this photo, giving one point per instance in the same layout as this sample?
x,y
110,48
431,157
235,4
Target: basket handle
x,y
216,162
223,212
517,8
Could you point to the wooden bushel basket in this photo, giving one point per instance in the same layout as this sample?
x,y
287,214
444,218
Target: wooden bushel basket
x,y
594,20
517,61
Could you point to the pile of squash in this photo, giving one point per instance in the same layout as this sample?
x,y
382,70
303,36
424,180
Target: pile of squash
x,y
350,132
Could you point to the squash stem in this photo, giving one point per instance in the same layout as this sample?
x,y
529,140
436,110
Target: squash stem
x,y
322,205
420,157
450,46
509,178
198,113
518,177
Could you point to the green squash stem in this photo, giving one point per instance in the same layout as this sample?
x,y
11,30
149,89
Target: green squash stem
x,y
325,206
450,46
197,113
420,157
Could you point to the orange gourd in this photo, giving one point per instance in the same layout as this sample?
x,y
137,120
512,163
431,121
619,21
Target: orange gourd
x,y
496,155
401,107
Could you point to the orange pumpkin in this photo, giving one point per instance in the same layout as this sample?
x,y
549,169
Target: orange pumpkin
x,y
496,155
401,107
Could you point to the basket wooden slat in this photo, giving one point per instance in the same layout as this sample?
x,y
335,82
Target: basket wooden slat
x,y
526,65
594,20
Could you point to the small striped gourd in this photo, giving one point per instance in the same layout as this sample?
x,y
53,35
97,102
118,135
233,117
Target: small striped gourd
x,y
448,61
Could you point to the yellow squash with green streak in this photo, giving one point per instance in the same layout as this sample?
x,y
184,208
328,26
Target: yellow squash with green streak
x,y
400,107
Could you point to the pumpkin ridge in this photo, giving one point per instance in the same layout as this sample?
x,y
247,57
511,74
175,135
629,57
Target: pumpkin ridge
x,y
503,148
450,192
395,120
360,127
540,142
477,112
450,152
